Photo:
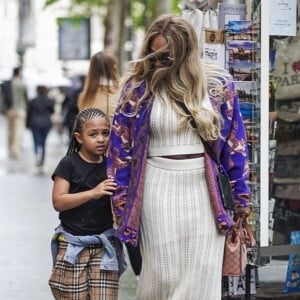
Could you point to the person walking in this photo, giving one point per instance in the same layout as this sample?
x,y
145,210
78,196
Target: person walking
x,y
70,105
86,253
16,113
39,112
101,84
173,105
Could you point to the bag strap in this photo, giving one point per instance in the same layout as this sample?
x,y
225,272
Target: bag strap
x,y
243,229
206,145
211,152
250,236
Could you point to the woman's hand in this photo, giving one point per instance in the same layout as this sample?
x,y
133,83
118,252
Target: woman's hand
x,y
242,213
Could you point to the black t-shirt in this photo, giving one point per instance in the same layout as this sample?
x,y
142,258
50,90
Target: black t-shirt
x,y
92,217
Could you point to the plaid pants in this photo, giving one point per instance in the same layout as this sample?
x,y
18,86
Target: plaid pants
x,y
84,280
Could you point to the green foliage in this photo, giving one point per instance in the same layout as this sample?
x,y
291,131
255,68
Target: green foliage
x,y
50,2
175,7
78,2
138,13
89,4
75,20
76,8
141,10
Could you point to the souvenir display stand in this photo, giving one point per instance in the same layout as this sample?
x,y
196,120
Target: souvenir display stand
x,y
233,42
265,70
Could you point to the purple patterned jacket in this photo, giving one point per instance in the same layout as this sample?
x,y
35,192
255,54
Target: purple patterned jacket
x,y
127,156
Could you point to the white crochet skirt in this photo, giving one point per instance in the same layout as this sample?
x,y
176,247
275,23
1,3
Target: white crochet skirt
x,y
181,248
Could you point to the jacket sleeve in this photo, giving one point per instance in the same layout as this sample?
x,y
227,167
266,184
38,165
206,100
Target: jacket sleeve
x,y
119,158
234,154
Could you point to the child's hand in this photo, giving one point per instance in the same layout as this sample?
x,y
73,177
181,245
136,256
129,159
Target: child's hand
x,y
106,187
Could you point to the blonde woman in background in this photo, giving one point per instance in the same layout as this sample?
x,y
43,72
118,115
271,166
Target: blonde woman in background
x,y
101,84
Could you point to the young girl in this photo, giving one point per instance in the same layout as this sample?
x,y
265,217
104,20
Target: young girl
x,y
84,249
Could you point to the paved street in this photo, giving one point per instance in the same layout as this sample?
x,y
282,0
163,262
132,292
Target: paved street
x,y
27,221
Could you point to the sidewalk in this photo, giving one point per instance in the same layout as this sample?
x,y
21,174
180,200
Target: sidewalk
x,y
27,222
272,281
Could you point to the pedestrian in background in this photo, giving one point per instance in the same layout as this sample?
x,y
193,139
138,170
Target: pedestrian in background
x,y
172,104
38,120
16,113
70,104
85,250
101,84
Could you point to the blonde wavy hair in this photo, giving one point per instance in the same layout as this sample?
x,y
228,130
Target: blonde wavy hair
x,y
186,81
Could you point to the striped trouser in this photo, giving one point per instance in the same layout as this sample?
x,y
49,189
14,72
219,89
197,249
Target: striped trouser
x,y
84,280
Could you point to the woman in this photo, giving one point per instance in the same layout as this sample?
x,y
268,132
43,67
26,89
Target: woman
x,y
101,84
39,112
167,197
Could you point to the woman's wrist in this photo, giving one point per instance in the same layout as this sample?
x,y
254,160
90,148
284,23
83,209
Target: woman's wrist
x,y
242,212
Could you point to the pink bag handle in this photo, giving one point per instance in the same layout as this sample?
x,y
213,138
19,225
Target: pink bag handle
x,y
245,232
250,236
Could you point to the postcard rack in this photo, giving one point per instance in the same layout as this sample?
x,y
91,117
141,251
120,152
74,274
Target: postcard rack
x,y
236,47
242,60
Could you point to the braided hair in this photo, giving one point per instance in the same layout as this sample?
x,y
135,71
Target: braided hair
x,y
81,118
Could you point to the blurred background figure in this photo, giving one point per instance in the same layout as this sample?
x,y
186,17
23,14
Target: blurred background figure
x,y
15,95
101,85
70,104
39,112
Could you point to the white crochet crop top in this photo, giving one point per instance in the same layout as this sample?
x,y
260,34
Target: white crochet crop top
x,y
164,137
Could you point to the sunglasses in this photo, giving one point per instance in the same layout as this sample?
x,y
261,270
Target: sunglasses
x,y
164,58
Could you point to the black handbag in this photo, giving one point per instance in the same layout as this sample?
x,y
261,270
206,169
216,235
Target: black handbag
x,y
222,178
135,258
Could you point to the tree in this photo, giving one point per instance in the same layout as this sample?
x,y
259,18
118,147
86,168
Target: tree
x,y
120,18
114,37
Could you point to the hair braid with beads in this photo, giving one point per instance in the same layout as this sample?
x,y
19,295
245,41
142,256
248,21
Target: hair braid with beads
x,y
81,118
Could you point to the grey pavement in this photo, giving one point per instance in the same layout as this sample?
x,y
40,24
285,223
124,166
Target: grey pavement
x,y
27,221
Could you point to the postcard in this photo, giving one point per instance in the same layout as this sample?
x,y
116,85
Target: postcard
x,y
229,12
239,50
242,30
247,91
243,71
